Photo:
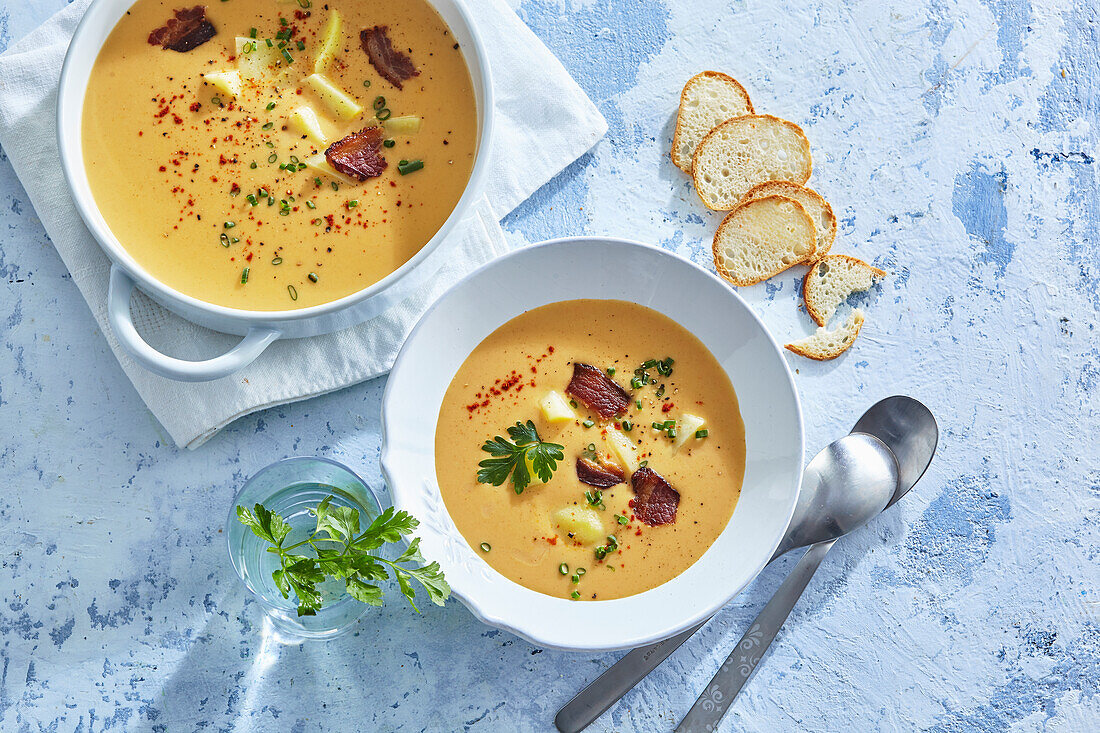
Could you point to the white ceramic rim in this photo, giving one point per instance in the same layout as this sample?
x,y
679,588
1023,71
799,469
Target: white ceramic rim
x,y
543,620
70,101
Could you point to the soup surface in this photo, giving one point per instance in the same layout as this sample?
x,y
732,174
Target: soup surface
x,y
642,424
210,167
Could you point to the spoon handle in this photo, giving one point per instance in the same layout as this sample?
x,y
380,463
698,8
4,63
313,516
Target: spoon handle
x,y
741,663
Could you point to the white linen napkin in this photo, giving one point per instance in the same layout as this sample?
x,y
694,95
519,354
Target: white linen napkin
x,y
543,122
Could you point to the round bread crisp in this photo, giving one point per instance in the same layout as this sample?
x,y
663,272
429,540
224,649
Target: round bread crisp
x,y
745,151
763,238
831,280
817,207
824,345
709,98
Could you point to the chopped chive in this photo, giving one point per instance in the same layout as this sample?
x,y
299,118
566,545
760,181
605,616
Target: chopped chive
x,y
627,426
588,423
269,144
277,261
283,22
294,159
262,192
621,519
353,203
701,433
611,371
313,277
649,363
366,83
235,191
244,276
311,205
389,143
563,569
575,595
335,186
229,224
661,391
288,57
269,43
576,579
284,212
216,100
270,200
658,426
638,404
383,114
643,464
253,164
317,181
485,547
270,106
305,4
225,239
233,240
293,292
572,403
379,102
636,383
267,125
408,166
671,433
301,166
301,45
251,32
272,158
581,571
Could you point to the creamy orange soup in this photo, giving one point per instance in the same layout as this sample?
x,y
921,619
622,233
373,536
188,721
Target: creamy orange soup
x,y
565,537
209,165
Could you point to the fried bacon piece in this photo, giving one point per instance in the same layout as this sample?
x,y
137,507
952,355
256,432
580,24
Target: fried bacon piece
x,y
595,389
598,474
655,501
357,155
187,30
394,66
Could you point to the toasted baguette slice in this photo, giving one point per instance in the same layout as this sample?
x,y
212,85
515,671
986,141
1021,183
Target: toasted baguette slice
x,y
709,99
824,345
745,151
762,238
831,280
817,207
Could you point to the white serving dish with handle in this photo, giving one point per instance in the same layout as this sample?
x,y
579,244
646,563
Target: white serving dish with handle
x,y
259,328
598,268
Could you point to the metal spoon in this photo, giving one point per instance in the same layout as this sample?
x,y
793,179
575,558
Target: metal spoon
x,y
904,424
844,486
907,428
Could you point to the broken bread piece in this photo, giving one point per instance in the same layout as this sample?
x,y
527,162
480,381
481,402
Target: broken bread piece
x,y
817,207
709,98
824,344
745,151
763,238
831,280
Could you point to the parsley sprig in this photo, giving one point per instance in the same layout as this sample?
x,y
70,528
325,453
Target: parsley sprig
x,y
344,552
510,458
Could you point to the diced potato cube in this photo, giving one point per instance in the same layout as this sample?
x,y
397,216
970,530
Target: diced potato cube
x,y
320,164
623,449
330,41
332,95
686,427
583,523
405,125
226,82
257,60
555,408
304,120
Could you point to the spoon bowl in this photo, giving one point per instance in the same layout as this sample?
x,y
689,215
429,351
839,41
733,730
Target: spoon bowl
x,y
845,486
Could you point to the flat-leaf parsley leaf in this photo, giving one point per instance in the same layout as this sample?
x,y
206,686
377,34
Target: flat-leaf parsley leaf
x,y
344,553
511,458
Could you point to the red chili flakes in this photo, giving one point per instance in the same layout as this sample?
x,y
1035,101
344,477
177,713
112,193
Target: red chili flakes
x,y
195,106
666,407
163,168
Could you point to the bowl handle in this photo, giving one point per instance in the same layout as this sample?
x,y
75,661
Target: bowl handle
x,y
118,313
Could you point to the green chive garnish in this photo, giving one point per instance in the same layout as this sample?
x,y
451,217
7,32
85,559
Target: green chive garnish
x,y
485,547
563,569
253,164
225,239
269,43
270,144
288,57
581,571
272,158
313,277
588,423
638,404
379,102
366,82
352,204
611,371
277,261
251,32
270,106
643,464
267,125
572,403
408,166
335,186
627,426
575,595
244,276
301,45
576,579
702,433
311,205
389,143
293,292
383,114
229,224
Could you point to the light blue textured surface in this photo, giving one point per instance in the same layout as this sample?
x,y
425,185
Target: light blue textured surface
x,y
957,141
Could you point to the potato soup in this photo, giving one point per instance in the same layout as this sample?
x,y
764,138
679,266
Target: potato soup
x,y
273,155
590,449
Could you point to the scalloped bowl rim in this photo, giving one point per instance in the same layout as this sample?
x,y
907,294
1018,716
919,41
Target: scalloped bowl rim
x,y
490,296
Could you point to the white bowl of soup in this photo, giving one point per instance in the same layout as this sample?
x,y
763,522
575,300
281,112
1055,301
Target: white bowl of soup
x,y
273,169
602,442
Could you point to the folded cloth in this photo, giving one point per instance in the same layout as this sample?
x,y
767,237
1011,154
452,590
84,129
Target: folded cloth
x,y
543,122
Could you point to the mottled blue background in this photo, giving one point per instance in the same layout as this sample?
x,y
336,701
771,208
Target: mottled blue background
x,y
957,141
